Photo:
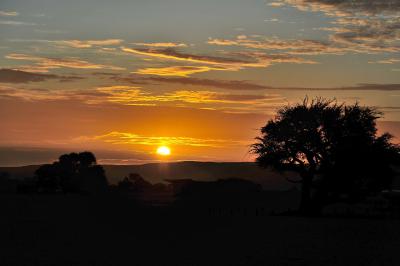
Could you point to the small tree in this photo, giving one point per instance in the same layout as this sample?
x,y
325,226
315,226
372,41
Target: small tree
x,y
134,183
311,138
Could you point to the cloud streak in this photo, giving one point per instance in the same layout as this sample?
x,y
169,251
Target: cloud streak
x,y
221,84
179,71
346,7
135,96
162,44
8,13
304,47
386,61
43,64
362,26
248,86
88,43
16,23
230,62
171,54
126,138
17,76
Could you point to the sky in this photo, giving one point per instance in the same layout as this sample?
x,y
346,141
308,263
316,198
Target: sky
x,y
121,78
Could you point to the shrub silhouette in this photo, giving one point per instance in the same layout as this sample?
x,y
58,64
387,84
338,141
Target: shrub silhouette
x,y
337,144
74,172
134,183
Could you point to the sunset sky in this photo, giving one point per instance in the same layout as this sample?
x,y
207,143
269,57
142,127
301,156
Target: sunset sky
x,y
123,77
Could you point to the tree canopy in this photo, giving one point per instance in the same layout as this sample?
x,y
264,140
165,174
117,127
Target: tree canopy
x,y
337,143
74,172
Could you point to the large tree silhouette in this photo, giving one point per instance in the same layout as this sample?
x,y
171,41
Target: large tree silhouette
x,y
336,143
74,172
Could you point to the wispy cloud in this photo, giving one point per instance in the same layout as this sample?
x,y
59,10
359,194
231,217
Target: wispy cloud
x,y
245,85
162,44
276,4
88,43
360,26
241,85
172,54
271,20
386,61
45,63
79,44
17,76
359,87
179,71
230,62
31,94
8,13
293,46
215,83
135,96
126,138
345,7
16,23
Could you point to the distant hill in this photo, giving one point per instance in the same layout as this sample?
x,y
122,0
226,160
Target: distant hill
x,y
202,171
19,172
158,172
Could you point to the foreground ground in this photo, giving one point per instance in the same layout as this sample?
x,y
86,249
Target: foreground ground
x,y
81,230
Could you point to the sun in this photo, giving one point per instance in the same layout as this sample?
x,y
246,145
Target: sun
x,y
163,150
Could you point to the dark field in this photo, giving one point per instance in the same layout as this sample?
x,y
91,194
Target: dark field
x,y
83,230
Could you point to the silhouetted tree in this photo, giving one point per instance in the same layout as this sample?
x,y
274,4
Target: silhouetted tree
x,y
337,143
86,159
72,173
94,179
47,178
134,183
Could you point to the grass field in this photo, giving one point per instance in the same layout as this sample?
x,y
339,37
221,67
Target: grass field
x,y
82,230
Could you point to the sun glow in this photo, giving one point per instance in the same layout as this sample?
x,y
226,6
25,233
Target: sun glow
x,y
163,150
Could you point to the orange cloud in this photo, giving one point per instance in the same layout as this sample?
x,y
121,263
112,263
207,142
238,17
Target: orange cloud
x,y
17,76
276,4
386,61
124,95
162,44
307,47
178,56
30,94
215,83
135,96
125,138
45,63
234,62
179,71
88,43
127,95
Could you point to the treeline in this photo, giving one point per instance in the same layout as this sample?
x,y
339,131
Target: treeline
x,y
71,173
